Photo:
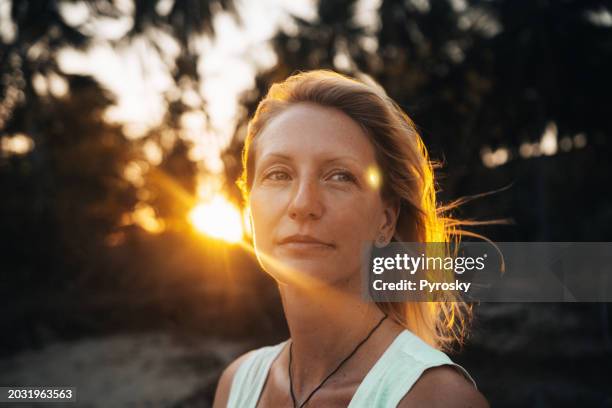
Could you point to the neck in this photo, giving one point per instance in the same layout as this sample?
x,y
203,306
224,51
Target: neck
x,y
325,326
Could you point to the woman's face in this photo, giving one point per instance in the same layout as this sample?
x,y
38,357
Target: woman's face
x,y
314,201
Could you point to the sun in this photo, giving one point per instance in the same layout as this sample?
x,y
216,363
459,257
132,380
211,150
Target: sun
x,y
218,218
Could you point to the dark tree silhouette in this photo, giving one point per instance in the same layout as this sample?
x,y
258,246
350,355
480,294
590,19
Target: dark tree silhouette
x,y
74,149
65,201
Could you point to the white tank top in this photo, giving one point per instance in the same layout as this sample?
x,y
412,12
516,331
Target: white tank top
x,y
387,382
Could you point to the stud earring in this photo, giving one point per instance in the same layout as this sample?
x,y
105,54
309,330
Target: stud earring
x,y
381,241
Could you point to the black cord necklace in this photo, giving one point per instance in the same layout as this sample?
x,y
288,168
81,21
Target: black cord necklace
x,y
352,353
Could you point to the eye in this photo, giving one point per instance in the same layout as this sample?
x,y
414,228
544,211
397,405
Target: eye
x,y
342,176
277,175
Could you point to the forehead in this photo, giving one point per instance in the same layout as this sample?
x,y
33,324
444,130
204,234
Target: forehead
x,y
312,130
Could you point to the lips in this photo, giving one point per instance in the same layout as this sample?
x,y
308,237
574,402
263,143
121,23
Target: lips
x,y
305,240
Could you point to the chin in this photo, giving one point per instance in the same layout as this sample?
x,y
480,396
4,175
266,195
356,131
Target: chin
x,y
330,275
313,270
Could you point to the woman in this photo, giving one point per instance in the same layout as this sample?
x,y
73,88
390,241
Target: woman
x,y
331,162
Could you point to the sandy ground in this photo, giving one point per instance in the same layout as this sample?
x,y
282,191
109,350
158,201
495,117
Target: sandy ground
x,y
145,370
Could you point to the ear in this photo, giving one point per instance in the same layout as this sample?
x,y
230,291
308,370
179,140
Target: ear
x,y
390,216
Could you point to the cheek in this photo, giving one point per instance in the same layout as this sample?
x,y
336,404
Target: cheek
x,y
356,220
264,216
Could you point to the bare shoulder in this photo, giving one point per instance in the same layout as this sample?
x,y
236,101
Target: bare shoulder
x,y
225,381
443,386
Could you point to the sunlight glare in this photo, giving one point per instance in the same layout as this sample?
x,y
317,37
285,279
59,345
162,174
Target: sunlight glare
x,y
373,177
218,218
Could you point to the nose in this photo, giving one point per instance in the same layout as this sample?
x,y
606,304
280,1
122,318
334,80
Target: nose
x,y
306,201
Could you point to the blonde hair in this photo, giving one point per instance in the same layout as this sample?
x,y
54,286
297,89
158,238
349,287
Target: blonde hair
x,y
407,175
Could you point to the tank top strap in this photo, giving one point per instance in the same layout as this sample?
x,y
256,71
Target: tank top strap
x,y
397,370
251,375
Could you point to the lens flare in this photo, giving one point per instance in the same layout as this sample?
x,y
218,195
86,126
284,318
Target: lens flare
x,y
218,218
373,177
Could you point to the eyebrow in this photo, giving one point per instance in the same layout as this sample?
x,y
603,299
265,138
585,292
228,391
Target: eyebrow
x,y
288,158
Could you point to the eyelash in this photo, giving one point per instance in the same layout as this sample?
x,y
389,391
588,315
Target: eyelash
x,y
350,177
267,176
